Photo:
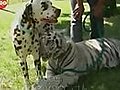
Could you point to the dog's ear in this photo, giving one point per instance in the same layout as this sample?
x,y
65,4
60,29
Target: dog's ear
x,y
27,15
44,5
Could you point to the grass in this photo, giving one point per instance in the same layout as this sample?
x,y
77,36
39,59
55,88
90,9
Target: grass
x,y
10,73
9,69
104,80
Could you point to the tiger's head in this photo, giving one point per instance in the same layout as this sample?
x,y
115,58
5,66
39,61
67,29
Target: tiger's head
x,y
54,44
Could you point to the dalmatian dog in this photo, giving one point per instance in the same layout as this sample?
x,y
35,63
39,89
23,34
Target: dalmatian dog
x,y
37,17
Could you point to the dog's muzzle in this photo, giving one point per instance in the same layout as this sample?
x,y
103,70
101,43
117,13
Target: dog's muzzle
x,y
54,18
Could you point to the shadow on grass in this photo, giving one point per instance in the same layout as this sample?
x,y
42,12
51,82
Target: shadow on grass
x,y
112,27
107,79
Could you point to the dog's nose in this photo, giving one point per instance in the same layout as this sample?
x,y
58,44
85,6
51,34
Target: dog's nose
x,y
58,12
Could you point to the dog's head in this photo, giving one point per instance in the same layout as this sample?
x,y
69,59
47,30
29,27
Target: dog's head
x,y
42,10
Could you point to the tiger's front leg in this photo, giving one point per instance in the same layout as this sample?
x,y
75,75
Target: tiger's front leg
x,y
57,82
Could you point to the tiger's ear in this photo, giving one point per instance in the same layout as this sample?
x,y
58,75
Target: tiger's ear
x,y
61,33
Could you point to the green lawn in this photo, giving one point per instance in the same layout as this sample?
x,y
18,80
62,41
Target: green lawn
x,y
10,73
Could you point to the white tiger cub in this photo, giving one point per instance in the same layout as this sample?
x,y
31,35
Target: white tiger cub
x,y
68,61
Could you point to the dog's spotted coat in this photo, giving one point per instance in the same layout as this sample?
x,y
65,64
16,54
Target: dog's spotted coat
x,y
27,32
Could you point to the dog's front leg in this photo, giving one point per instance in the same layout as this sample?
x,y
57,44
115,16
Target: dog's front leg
x,y
37,63
24,68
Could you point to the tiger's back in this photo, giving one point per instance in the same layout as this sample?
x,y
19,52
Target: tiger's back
x,y
98,53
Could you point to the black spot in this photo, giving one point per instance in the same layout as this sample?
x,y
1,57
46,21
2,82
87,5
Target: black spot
x,y
25,41
23,21
16,30
37,22
30,33
46,25
32,42
52,9
48,28
57,42
26,75
41,13
34,23
36,62
22,24
23,38
31,1
36,40
22,63
15,49
36,50
49,34
23,32
17,35
39,67
44,5
18,48
23,68
23,17
19,41
52,16
29,26
35,19
28,49
39,35
54,37
24,46
15,39
33,37
28,12
51,28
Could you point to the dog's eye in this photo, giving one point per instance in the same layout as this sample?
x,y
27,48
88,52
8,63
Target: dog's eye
x,y
49,2
44,5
